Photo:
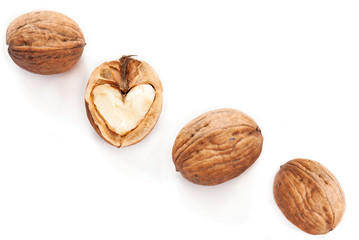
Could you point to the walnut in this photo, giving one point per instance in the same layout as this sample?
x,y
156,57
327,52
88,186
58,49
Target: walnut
x,y
217,146
123,100
309,196
45,42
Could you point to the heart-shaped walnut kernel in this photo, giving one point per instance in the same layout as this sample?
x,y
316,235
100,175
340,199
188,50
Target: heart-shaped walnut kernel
x,y
309,196
123,100
217,146
123,114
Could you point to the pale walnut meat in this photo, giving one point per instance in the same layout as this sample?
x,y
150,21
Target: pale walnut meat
x,y
217,146
309,196
123,100
45,42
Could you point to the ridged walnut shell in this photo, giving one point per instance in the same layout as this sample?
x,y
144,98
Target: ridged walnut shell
x,y
45,42
123,75
309,196
217,146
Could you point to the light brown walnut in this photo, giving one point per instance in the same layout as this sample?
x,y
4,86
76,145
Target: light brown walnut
x,y
123,100
217,146
45,42
309,196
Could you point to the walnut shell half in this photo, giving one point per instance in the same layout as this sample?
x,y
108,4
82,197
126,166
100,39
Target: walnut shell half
x,y
217,146
123,100
309,196
45,42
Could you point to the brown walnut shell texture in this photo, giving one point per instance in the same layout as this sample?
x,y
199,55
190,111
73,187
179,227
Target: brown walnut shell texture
x,y
124,74
45,42
309,196
217,146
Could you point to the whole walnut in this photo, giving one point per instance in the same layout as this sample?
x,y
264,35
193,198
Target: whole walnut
x,y
45,42
309,196
217,146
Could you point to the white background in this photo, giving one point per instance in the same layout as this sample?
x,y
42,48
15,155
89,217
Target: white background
x,y
291,65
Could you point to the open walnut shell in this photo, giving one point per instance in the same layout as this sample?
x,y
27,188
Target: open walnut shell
x,y
309,196
123,100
